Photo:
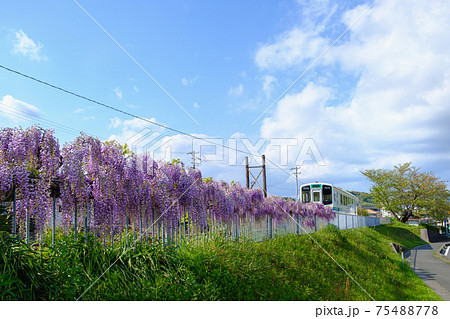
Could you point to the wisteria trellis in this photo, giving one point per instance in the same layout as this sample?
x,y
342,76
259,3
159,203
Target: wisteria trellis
x,y
123,189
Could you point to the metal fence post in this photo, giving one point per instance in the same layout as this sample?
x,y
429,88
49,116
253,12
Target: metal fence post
x,y
140,227
126,232
53,220
14,226
41,241
75,217
112,237
86,222
270,226
28,226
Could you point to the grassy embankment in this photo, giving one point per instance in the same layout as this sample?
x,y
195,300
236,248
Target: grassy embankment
x,y
288,268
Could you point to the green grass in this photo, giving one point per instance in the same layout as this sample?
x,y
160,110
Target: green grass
x,y
400,233
286,268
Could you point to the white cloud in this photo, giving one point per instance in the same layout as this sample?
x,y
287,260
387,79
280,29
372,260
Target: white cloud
x,y
291,48
115,122
137,133
196,105
27,47
317,13
18,110
268,81
236,91
302,43
399,107
142,137
187,82
118,92
133,124
86,117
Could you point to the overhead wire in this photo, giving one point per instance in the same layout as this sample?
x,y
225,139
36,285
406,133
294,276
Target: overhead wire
x,y
33,119
135,61
113,108
192,136
168,128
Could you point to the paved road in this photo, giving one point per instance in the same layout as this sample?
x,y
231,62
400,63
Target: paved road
x,y
433,271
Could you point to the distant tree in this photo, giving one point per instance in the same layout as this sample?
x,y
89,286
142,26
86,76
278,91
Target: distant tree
x,y
365,199
405,191
362,212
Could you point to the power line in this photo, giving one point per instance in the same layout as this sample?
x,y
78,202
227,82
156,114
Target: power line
x,y
315,61
173,130
135,61
133,115
33,119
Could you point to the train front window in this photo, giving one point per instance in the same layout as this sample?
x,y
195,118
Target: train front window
x,y
306,196
316,197
326,194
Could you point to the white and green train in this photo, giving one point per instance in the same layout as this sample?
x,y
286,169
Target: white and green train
x,y
329,195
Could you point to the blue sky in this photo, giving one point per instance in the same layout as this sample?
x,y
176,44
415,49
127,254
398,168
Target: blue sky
x,y
377,97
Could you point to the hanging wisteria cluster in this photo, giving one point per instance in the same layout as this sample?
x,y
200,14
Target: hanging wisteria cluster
x,y
29,159
119,189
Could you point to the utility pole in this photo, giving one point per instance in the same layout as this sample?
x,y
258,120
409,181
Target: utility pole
x,y
269,219
194,159
264,175
255,179
247,173
297,172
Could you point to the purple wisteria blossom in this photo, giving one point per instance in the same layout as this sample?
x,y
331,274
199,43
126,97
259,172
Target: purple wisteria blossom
x,y
123,188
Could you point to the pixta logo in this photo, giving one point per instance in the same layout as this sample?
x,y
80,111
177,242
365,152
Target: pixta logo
x,y
281,151
151,142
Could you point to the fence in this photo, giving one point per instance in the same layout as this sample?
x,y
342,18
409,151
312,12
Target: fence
x,y
342,221
186,230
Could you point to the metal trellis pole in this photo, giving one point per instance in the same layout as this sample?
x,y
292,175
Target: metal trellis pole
x,y
75,217
53,220
14,226
28,227
86,221
127,225
140,227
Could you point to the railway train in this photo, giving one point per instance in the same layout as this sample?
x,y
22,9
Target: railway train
x,y
332,196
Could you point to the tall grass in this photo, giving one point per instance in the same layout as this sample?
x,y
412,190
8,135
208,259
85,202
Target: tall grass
x,y
285,268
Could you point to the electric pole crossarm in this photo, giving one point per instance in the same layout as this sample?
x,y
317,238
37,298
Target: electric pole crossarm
x,y
194,159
